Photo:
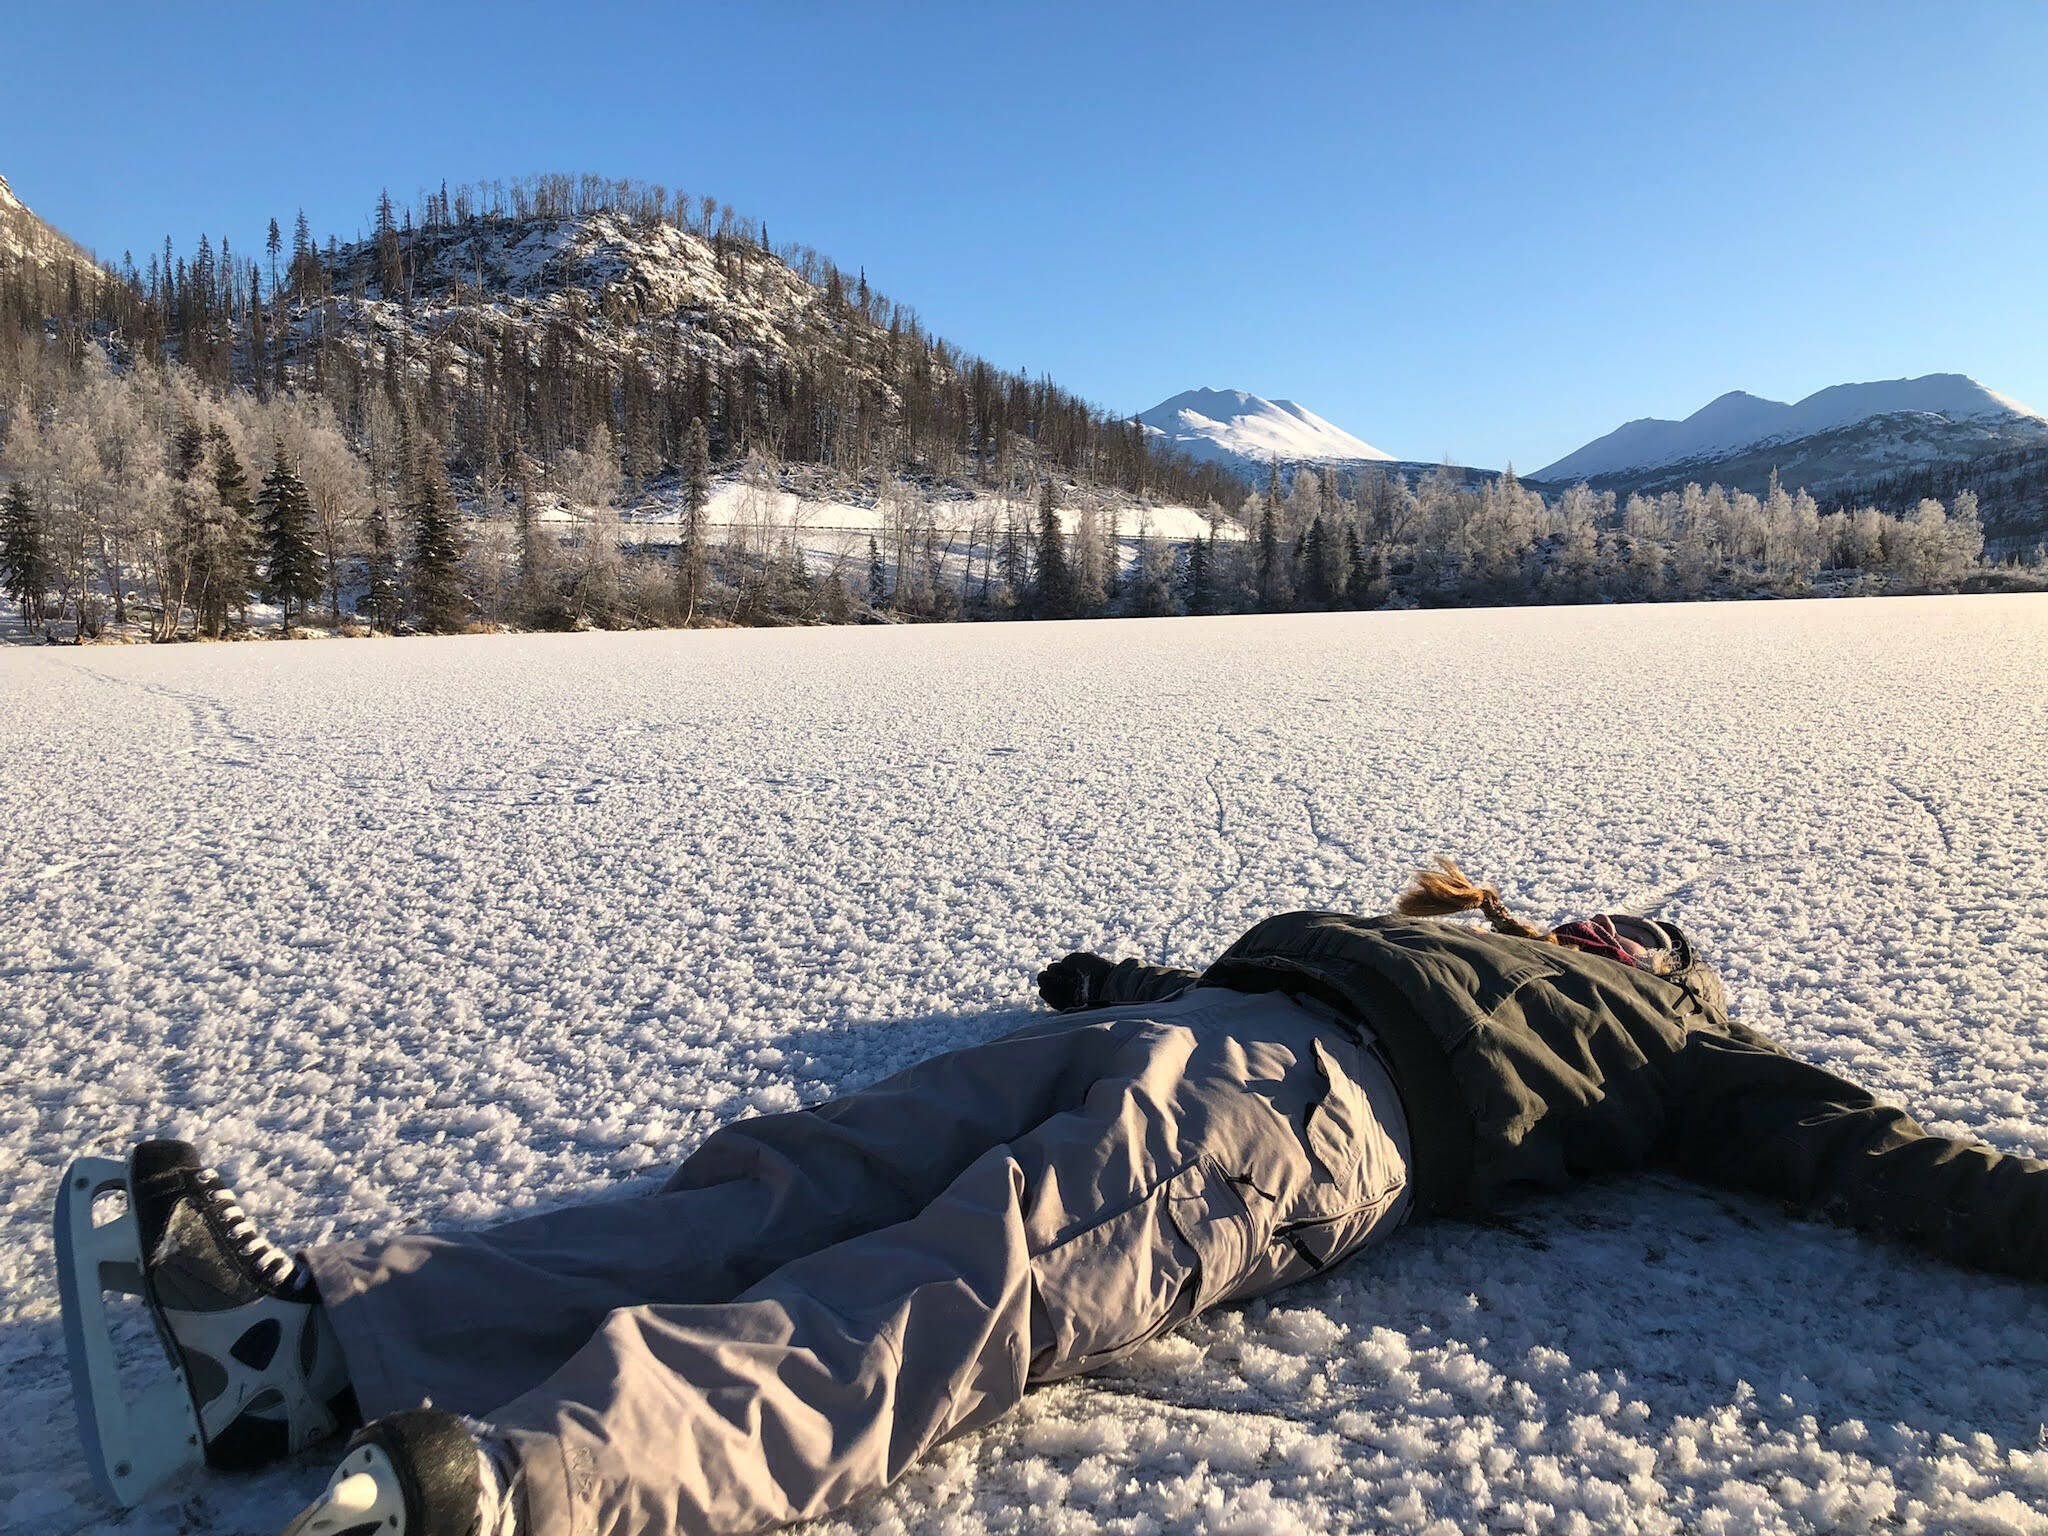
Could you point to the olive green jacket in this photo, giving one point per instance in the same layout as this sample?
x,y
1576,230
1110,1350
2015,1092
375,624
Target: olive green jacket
x,y
1528,1064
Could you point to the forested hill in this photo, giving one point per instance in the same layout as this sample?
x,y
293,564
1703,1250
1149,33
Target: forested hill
x,y
572,401
518,317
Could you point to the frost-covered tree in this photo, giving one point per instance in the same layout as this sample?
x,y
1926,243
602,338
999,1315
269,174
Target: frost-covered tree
x,y
1087,586
1574,572
1152,575
589,480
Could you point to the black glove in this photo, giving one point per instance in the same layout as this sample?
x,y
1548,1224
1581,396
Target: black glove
x,y
1074,982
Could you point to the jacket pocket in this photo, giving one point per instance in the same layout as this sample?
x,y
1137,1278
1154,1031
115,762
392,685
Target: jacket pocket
x,y
1496,987
1111,1287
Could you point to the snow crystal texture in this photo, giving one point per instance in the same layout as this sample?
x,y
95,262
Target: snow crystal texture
x,y
428,932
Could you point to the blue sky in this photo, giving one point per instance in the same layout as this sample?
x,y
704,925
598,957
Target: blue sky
x,y
1474,231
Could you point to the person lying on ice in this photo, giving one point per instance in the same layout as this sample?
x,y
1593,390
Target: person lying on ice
x,y
816,1299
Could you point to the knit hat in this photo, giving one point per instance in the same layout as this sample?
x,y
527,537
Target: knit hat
x,y
1645,943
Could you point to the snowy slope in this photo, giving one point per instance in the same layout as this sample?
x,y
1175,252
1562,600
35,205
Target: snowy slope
x,y
26,238
1230,426
613,287
1737,422
426,932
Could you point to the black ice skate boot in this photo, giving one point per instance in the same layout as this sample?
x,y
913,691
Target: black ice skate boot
x,y
241,1316
419,1473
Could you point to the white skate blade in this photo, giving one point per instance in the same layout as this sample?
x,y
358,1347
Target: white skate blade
x,y
131,1447
363,1491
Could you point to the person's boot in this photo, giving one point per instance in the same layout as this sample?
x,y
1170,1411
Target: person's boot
x,y
239,1314
419,1473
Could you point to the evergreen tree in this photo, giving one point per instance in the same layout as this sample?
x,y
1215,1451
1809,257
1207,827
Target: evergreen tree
x,y
390,281
531,554
1112,558
1316,586
1013,559
232,541
437,596
1269,552
293,574
381,603
25,563
1055,583
878,575
1198,594
690,561
1356,579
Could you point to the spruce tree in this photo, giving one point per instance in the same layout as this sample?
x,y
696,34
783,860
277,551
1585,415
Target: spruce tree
x,y
1013,559
25,563
878,575
231,540
696,493
1198,593
438,600
1356,581
1112,559
1055,583
1269,555
1316,585
293,574
381,603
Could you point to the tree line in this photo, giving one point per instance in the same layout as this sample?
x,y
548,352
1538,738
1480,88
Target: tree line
x,y
226,443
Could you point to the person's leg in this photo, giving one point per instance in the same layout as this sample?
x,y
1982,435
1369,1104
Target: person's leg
x,y
1205,1165
1748,1115
471,1319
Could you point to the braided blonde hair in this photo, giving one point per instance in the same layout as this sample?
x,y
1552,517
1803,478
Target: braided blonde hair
x,y
1441,889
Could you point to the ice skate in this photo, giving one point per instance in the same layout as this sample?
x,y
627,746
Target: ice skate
x,y
417,1473
258,1374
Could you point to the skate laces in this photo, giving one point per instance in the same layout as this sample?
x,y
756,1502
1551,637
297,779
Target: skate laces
x,y
276,1266
501,1482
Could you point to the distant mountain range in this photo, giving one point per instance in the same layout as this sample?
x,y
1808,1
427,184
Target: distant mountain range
x,y
1847,435
1840,435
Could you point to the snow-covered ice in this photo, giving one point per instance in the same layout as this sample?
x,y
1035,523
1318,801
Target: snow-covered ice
x,y
431,931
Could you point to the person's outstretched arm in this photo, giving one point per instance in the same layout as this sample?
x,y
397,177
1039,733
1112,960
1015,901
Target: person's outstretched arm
x,y
1083,980
1753,1117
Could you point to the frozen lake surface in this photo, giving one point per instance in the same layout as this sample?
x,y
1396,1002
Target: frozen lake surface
x,y
433,931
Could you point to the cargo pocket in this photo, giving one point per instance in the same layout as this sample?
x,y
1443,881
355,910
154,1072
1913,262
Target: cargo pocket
x,y
1116,1284
1340,1123
1358,1168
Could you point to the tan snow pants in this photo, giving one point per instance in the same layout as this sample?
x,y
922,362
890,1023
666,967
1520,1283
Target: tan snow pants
x,y
815,1299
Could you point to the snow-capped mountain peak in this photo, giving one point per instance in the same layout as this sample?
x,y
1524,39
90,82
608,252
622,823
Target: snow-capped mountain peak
x,y
1234,426
1737,423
